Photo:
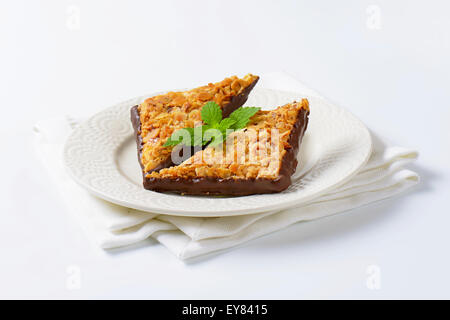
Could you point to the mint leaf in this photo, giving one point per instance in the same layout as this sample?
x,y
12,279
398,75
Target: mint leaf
x,y
205,139
199,135
170,142
216,142
211,113
188,136
185,136
242,116
214,135
225,124
215,130
217,133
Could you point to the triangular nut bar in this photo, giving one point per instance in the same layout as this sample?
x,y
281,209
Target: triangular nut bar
x,y
158,117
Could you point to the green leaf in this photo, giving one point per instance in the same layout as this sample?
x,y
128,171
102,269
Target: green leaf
x,y
197,139
215,130
171,142
199,135
184,136
190,138
216,142
214,135
225,124
242,116
211,113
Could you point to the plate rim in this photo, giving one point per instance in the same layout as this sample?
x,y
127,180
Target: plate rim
x,y
219,213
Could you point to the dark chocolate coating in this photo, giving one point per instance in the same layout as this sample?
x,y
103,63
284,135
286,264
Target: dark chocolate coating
x,y
239,187
235,103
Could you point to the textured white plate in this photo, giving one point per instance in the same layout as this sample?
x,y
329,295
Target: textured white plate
x,y
101,156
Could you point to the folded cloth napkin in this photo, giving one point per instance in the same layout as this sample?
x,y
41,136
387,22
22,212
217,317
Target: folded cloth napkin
x,y
112,226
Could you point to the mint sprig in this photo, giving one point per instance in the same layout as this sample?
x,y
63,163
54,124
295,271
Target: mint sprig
x,y
185,136
211,113
242,116
215,130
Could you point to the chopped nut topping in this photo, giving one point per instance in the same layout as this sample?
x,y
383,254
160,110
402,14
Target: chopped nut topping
x,y
254,152
161,115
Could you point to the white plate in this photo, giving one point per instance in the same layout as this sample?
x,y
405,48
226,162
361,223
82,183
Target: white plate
x,y
101,156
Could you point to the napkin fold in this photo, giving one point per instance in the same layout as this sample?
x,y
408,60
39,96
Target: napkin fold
x,y
112,226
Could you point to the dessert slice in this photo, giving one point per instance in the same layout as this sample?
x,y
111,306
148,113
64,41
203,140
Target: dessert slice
x,y
158,117
258,159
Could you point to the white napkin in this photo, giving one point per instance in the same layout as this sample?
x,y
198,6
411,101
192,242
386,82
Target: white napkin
x,y
112,226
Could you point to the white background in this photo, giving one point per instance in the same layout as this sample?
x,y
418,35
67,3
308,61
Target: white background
x,y
392,72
